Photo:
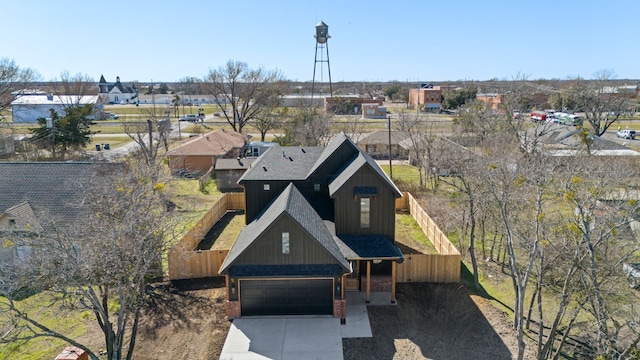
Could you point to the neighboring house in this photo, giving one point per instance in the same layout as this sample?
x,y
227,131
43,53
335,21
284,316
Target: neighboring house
x,y
29,108
116,93
376,144
320,221
257,148
563,140
426,98
199,154
32,193
228,171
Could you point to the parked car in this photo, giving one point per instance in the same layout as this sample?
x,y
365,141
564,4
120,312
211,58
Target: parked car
x,y
190,118
626,134
113,116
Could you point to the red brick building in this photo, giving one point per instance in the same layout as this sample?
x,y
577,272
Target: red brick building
x,y
426,98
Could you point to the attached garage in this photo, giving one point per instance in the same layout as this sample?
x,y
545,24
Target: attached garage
x,y
286,297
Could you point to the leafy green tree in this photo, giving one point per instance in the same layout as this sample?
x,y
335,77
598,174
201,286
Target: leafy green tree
x,y
163,89
176,104
396,92
70,133
458,98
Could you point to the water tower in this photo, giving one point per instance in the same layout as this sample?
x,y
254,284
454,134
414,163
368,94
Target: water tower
x,y
322,36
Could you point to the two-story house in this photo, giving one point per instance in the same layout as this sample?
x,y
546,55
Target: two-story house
x,y
320,221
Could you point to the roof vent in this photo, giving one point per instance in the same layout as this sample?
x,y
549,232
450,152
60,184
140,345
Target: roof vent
x,y
290,158
303,150
264,168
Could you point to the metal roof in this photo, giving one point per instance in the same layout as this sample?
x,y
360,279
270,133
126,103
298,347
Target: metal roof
x,y
55,100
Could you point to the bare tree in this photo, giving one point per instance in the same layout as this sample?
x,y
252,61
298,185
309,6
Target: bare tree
x,y
151,138
602,107
271,117
241,92
100,265
13,78
308,127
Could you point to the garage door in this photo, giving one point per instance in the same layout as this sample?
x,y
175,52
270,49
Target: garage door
x,y
286,297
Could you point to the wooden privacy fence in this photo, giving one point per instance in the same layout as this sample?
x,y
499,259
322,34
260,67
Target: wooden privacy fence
x,y
185,262
443,267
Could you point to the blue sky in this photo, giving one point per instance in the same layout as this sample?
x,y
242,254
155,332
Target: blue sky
x,y
406,40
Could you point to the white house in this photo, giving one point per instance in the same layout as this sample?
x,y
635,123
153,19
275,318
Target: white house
x,y
28,108
116,93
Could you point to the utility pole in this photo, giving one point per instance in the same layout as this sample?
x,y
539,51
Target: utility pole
x,y
390,162
51,125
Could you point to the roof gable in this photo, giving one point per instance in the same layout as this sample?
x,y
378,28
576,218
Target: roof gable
x,y
362,160
23,217
340,140
293,204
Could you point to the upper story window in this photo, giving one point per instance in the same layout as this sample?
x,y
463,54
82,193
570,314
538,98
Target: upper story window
x,y
365,212
266,187
285,242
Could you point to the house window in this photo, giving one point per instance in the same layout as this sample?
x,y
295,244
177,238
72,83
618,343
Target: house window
x,y
365,212
285,242
266,187
316,187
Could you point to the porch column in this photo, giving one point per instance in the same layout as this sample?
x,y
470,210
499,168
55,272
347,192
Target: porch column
x,y
394,264
368,298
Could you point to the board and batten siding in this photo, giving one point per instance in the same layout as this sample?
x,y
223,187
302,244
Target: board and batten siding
x,y
267,248
258,198
347,207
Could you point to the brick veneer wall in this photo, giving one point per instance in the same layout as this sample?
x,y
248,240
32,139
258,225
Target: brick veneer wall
x,y
378,283
233,310
340,308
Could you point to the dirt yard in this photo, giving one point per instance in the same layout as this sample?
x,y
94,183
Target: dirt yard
x,y
187,320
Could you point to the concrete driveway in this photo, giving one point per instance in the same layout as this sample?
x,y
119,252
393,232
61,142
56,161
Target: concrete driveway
x,y
299,337
284,338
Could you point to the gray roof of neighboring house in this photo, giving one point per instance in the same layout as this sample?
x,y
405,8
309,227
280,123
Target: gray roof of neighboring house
x,y
558,140
53,188
283,163
234,164
361,160
382,137
292,203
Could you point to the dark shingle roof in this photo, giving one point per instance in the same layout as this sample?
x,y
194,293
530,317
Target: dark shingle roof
x,y
283,163
382,137
287,270
292,203
234,164
54,188
371,247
